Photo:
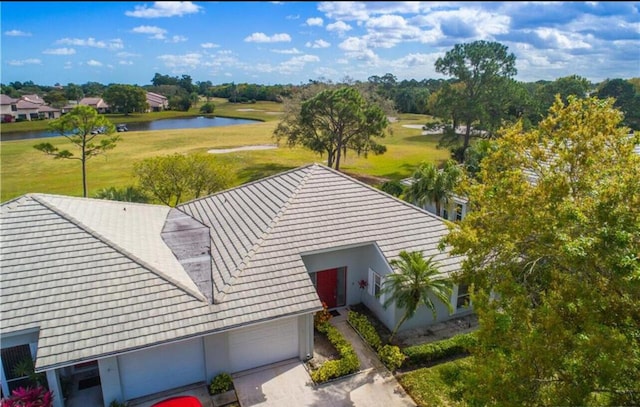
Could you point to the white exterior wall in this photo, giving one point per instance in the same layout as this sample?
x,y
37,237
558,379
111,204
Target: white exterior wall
x,y
216,354
110,380
162,368
358,260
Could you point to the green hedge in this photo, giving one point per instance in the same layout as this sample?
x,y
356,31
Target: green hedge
x,y
361,324
390,355
429,352
348,362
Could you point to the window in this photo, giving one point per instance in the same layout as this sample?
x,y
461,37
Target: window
x,y
458,211
375,285
464,299
11,358
445,213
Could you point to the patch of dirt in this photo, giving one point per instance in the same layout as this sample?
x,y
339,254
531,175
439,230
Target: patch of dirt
x,y
323,350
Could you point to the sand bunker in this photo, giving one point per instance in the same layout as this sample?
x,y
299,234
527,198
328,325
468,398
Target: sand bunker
x,y
244,148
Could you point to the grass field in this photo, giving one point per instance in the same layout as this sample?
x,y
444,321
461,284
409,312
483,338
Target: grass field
x,y
26,170
437,386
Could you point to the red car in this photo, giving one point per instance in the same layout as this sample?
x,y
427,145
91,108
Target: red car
x,y
182,401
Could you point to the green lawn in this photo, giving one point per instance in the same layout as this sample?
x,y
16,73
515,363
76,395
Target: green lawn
x,y
437,386
26,170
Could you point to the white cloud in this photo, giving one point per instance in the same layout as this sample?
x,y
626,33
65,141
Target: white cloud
x,y
93,62
59,51
155,33
318,44
293,17
17,33
262,37
339,26
126,62
177,38
28,61
208,45
556,39
191,60
315,21
91,42
292,51
164,9
68,65
127,55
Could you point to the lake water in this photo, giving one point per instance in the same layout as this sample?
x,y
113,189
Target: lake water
x,y
165,124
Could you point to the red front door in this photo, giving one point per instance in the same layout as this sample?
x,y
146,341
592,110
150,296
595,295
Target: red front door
x,y
327,285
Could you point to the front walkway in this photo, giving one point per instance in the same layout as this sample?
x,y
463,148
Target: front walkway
x,y
289,384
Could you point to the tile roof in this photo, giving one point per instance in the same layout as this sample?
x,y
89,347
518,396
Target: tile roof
x,y
96,277
7,100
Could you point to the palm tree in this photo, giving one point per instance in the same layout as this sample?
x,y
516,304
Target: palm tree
x,y
433,185
414,283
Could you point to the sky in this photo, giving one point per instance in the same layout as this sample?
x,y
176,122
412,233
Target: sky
x,y
295,42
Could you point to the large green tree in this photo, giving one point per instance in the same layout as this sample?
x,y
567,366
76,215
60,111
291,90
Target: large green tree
x,y
627,99
334,121
484,69
552,247
90,132
416,281
430,184
175,178
125,98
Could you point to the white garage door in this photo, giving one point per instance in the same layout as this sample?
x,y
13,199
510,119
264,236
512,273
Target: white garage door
x,y
162,368
263,344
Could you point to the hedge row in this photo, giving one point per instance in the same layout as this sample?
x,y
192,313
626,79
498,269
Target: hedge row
x,y
348,362
390,355
429,352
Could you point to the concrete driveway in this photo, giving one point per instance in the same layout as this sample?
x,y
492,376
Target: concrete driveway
x,y
289,384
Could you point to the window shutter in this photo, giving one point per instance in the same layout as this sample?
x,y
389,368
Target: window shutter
x,y
370,286
382,282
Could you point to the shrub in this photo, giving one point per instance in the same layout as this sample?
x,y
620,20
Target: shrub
x,y
116,403
391,356
429,352
322,316
207,108
348,362
29,397
221,383
361,324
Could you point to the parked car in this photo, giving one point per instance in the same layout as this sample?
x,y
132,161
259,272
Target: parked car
x,y
121,127
181,401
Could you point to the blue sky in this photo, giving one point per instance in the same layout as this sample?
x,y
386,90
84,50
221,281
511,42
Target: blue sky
x,y
293,42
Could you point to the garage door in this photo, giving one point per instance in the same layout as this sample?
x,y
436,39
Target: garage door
x,y
165,367
263,344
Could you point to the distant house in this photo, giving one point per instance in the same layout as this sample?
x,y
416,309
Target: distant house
x,y
97,103
145,298
27,107
157,102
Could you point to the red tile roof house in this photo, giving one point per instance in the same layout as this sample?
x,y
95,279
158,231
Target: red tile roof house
x,y
150,298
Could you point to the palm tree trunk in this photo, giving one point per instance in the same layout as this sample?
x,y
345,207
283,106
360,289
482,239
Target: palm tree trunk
x,y
395,329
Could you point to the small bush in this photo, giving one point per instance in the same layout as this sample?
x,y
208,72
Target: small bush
x,y
207,108
29,397
391,356
348,362
322,316
221,383
116,403
361,324
429,352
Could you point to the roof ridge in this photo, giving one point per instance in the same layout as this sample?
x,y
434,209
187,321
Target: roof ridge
x,y
246,184
274,221
40,199
381,192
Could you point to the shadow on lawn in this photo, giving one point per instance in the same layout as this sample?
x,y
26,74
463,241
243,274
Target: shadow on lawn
x,y
261,170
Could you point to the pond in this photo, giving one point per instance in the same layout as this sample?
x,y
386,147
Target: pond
x,y
164,124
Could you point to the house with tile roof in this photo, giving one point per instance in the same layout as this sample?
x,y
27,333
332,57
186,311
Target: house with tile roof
x,y
147,298
27,107
157,102
97,103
